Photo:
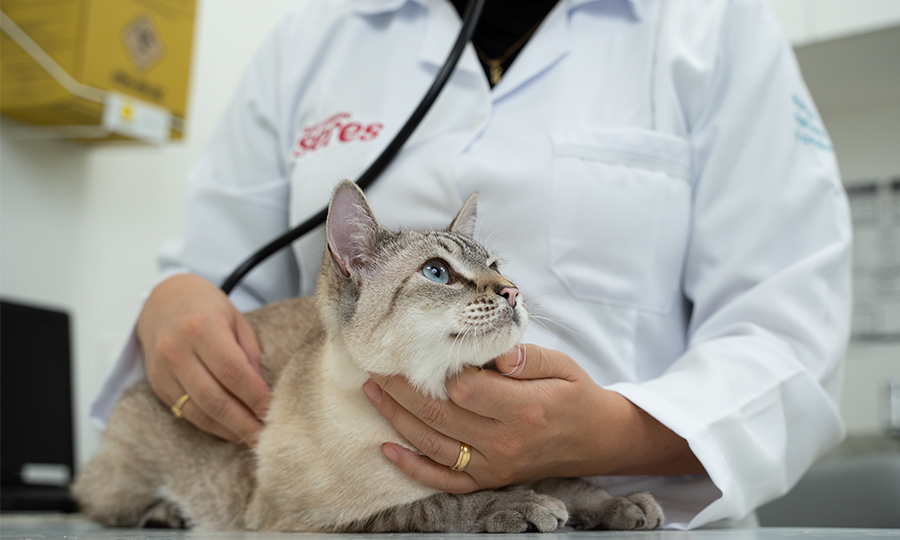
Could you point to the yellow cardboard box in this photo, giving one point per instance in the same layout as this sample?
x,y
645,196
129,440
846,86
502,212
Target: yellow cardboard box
x,y
141,48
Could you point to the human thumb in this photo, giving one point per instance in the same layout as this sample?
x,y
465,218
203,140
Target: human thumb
x,y
529,361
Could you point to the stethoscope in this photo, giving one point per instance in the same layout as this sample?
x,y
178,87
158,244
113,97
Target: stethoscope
x,y
470,19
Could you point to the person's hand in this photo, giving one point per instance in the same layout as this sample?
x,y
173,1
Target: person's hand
x,y
538,416
196,342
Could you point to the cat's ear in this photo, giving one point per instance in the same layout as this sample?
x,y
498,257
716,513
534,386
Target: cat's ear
x,y
351,229
464,223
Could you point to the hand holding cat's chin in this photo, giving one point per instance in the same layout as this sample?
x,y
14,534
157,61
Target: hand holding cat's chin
x,y
538,416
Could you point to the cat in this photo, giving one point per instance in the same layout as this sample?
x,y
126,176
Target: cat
x,y
422,304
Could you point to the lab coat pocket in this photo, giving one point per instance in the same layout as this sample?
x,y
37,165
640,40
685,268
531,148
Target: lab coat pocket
x,y
620,215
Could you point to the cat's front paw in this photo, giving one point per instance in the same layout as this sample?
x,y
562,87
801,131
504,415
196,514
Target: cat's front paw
x,y
162,515
520,511
638,511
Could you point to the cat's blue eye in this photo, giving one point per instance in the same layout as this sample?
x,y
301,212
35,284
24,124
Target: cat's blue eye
x,y
437,272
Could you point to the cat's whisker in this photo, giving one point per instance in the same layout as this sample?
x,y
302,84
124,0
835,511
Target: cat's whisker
x,y
531,299
472,338
460,337
495,234
490,205
449,324
544,318
539,320
474,332
540,324
534,313
459,349
492,326
364,374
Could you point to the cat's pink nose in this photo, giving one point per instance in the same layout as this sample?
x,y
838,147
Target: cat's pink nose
x,y
510,293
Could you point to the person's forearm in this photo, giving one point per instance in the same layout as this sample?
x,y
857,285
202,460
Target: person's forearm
x,y
636,443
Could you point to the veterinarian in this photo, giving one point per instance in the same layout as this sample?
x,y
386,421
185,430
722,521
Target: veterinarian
x,y
663,193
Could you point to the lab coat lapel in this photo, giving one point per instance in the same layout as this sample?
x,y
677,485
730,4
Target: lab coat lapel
x,y
547,46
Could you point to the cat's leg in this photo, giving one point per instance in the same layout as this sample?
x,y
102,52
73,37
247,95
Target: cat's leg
x,y
592,507
155,470
502,511
214,496
118,489
114,492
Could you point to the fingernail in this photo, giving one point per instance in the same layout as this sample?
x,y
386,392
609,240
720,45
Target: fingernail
x,y
373,391
391,453
515,352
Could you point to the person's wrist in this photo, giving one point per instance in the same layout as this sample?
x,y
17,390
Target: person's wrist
x,y
620,438
609,435
646,445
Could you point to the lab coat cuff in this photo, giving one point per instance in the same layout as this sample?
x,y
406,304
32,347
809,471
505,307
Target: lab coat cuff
x,y
686,512
128,369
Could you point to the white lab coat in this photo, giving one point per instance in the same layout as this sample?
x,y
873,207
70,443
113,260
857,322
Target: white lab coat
x,y
654,175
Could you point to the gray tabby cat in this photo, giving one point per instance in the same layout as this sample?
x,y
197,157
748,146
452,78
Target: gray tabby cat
x,y
418,304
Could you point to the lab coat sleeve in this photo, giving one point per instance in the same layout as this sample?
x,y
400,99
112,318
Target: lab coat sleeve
x,y
767,274
237,201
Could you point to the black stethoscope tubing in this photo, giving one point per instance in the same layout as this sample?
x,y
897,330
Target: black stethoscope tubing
x,y
470,19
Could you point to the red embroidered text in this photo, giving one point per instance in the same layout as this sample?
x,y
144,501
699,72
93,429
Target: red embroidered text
x,y
341,124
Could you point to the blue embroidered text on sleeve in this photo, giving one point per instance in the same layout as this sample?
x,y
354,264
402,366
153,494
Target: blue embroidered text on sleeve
x,y
808,128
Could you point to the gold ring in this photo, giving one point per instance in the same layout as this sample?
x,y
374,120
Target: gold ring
x,y
465,452
176,409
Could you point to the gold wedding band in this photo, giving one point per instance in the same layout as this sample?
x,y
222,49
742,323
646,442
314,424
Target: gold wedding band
x,y
176,409
465,452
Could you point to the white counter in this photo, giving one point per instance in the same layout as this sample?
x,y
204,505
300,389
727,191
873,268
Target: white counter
x,y
75,527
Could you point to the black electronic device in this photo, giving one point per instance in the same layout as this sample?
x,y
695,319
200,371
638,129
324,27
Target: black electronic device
x,y
36,428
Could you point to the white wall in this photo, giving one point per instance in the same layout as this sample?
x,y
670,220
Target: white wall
x,y
80,226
